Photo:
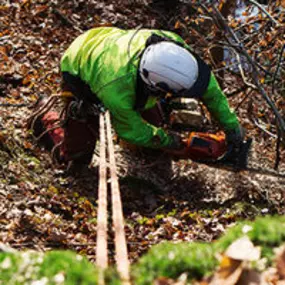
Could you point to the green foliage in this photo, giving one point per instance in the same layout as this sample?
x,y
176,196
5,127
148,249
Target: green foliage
x,y
56,267
243,207
77,269
142,220
159,217
112,277
197,259
172,260
164,260
9,263
267,232
172,213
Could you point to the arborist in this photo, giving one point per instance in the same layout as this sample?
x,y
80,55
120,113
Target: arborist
x,y
127,72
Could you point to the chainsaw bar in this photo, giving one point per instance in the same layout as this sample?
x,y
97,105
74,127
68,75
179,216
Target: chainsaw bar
x,y
241,163
240,160
231,160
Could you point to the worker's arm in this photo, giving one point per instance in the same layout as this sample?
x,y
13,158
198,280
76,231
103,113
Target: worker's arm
x,y
218,106
214,99
128,124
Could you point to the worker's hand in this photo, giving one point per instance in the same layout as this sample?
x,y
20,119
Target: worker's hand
x,y
234,139
178,148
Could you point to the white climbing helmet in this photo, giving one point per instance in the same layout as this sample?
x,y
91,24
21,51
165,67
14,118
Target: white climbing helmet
x,y
168,66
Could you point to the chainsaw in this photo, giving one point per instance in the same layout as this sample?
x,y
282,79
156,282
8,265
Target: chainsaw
x,y
206,148
212,149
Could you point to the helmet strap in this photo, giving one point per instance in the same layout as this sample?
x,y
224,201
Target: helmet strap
x,y
144,91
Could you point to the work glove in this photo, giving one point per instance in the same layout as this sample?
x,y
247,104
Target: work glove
x,y
234,140
178,147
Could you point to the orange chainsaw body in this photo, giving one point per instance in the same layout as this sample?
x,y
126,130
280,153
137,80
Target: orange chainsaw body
x,y
204,146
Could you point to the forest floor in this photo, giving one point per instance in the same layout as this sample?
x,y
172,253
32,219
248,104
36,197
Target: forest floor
x,y
43,208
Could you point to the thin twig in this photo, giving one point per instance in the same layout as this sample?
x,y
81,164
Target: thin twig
x,y
278,154
56,126
263,129
20,105
264,11
243,100
281,58
226,67
66,20
242,72
254,72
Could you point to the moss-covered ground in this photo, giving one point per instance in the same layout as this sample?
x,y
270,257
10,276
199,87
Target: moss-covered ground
x,y
167,260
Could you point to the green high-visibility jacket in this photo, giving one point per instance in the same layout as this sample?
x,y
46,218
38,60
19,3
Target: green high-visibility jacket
x,y
107,59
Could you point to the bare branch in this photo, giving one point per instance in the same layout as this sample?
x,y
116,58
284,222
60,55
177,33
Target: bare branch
x,y
281,58
254,71
264,11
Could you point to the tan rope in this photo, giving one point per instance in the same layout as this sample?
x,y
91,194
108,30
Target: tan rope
x,y
56,126
101,249
56,147
47,106
40,109
122,260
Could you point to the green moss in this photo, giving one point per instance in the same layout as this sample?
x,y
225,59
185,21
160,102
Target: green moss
x,y
171,260
159,217
9,263
164,260
142,220
76,268
172,213
19,268
112,277
267,232
25,267
242,208
197,259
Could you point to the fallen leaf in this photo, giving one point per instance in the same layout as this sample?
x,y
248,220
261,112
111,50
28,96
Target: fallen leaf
x,y
229,272
249,277
243,249
177,25
280,264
